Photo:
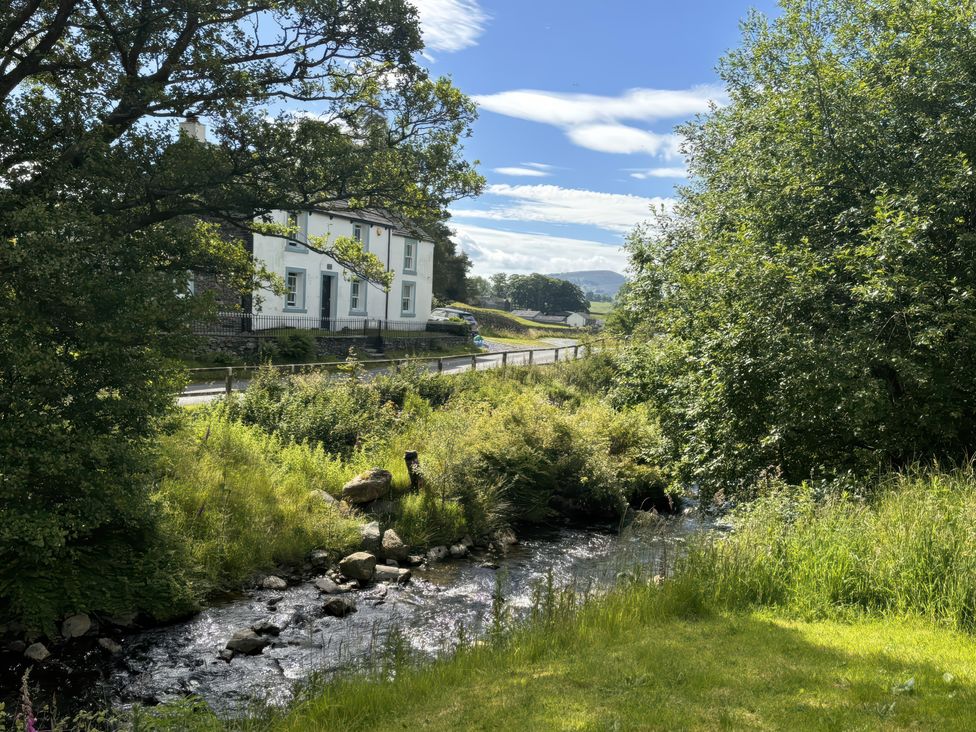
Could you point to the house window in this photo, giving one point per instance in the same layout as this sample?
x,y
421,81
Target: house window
x,y
408,297
298,229
294,289
357,297
357,232
410,255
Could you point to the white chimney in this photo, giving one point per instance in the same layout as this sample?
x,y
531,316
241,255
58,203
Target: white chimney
x,y
194,128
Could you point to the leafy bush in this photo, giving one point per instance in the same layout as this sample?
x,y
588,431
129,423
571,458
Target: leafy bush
x,y
291,345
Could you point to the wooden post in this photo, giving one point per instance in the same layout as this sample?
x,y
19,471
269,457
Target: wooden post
x,y
504,358
575,352
474,363
530,357
440,365
556,359
229,382
412,459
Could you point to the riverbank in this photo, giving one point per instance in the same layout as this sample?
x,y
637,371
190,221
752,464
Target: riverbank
x,y
817,612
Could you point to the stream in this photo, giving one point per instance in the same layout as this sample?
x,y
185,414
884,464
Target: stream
x,y
442,603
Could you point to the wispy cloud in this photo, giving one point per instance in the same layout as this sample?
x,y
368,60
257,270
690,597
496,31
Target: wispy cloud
x,y
660,173
597,122
522,172
566,110
552,204
450,25
497,250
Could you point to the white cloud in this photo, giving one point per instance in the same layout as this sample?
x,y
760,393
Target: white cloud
x,y
660,173
495,250
539,166
450,25
596,122
567,110
553,204
522,172
621,139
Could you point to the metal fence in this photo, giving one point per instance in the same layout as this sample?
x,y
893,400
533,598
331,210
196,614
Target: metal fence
x,y
231,324
207,382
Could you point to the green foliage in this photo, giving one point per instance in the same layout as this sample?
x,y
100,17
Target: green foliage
x,y
105,207
546,294
909,550
293,346
809,306
238,500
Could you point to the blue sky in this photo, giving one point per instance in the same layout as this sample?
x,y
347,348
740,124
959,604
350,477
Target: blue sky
x,y
578,100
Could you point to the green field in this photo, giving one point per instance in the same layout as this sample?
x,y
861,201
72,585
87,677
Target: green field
x,y
505,325
600,308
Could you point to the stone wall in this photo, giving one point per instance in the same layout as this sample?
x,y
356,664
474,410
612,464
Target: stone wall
x,y
248,346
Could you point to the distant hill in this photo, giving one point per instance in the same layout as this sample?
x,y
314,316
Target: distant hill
x,y
595,280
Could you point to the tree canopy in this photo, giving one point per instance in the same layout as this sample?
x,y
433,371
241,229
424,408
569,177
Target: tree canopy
x,y
546,294
104,208
808,307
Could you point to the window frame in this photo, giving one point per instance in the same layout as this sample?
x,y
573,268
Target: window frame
x,y
414,245
301,290
412,312
361,310
301,223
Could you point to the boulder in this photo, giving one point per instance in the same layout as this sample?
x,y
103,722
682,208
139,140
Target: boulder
x,y
326,585
110,645
505,538
359,566
415,560
370,537
226,655
76,626
123,620
467,542
381,507
37,652
247,642
325,498
385,573
340,607
273,583
319,558
438,554
266,627
393,546
367,487
458,551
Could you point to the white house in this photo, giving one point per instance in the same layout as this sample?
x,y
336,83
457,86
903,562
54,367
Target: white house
x,y
322,294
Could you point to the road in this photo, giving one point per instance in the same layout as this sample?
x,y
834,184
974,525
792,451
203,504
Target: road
x,y
203,392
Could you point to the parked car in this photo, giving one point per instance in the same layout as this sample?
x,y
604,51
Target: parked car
x,y
454,314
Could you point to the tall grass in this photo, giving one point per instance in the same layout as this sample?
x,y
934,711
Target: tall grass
x,y
910,549
237,500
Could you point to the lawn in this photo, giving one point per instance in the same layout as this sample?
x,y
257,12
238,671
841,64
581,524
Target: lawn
x,y
600,310
727,671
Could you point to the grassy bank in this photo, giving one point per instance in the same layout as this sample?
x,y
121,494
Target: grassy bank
x,y
502,324
241,485
827,612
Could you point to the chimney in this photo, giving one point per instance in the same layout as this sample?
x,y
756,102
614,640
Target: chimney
x,y
194,128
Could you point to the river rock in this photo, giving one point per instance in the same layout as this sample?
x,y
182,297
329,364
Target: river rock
x,y
458,551
327,585
359,566
123,620
76,626
110,645
467,542
366,487
340,607
248,642
414,560
385,573
438,553
370,538
37,652
273,583
319,558
393,546
226,655
505,538
266,627
325,498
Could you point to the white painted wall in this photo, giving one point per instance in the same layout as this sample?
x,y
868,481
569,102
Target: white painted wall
x,y
380,240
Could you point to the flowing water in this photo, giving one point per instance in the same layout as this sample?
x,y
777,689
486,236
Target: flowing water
x,y
441,604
